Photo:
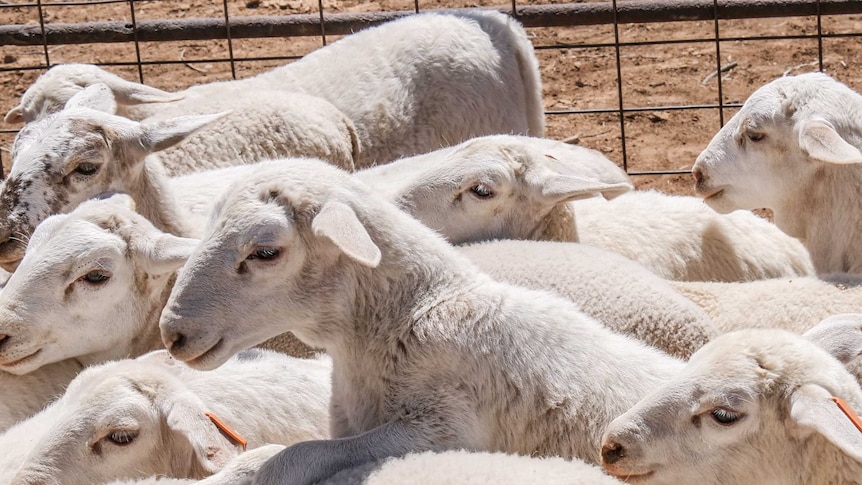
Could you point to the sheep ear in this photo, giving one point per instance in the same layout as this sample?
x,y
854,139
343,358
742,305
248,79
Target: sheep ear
x,y
562,188
185,414
822,143
165,253
165,134
840,335
813,410
129,93
15,115
338,223
96,97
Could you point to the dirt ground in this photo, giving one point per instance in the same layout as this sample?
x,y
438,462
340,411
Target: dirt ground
x,y
574,77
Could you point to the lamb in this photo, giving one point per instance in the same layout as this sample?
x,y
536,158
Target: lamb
x,y
753,406
616,291
242,467
429,354
409,86
794,147
152,415
676,237
465,467
794,304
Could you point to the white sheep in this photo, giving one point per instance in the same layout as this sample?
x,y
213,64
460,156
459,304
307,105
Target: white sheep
x,y
794,304
152,415
428,352
794,147
409,86
453,467
507,188
753,406
616,291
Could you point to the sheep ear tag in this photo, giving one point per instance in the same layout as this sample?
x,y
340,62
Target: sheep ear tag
x,y
338,223
814,409
822,143
227,430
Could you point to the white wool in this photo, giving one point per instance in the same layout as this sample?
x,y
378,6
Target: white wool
x,y
752,406
465,467
794,147
409,86
616,291
429,353
144,417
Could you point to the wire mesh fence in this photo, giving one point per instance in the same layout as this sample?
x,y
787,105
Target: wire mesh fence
x,y
647,83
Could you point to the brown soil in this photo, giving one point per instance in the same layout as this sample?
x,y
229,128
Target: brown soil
x,y
574,78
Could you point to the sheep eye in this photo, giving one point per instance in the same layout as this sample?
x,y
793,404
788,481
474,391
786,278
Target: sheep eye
x,y
753,136
725,416
86,169
482,191
123,438
264,253
96,277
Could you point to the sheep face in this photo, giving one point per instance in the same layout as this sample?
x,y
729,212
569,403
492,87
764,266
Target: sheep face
x,y
73,156
127,419
101,267
746,405
497,186
786,133
50,93
276,255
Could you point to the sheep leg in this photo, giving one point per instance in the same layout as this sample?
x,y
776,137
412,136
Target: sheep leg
x,y
309,462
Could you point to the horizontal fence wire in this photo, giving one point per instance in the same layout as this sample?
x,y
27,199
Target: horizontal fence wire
x,y
320,25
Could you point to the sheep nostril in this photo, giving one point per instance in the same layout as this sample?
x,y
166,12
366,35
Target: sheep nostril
x,y
3,339
176,342
612,453
698,175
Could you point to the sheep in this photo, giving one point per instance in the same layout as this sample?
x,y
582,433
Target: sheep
x,y
753,406
794,304
793,148
152,415
841,336
242,467
428,352
614,290
430,468
409,86
676,237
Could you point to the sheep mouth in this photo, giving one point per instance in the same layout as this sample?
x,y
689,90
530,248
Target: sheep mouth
x,y
632,477
17,362
204,359
712,193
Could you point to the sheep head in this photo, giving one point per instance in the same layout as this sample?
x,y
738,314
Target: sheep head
x,y
100,267
785,134
286,242
497,187
74,155
127,419
50,93
748,404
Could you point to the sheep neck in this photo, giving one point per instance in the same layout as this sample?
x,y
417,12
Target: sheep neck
x,y
828,465
154,199
558,225
827,216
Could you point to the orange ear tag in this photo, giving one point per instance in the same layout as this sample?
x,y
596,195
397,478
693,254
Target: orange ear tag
x,y
233,434
847,410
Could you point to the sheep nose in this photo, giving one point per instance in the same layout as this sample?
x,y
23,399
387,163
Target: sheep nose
x,y
3,339
698,175
612,453
174,341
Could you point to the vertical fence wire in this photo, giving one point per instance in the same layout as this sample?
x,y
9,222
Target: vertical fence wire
x,y
819,38
137,43
322,25
44,33
718,65
620,87
229,41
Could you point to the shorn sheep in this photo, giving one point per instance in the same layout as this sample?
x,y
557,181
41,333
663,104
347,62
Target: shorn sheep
x,y
409,86
464,467
753,406
428,353
794,147
616,291
153,415
506,188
